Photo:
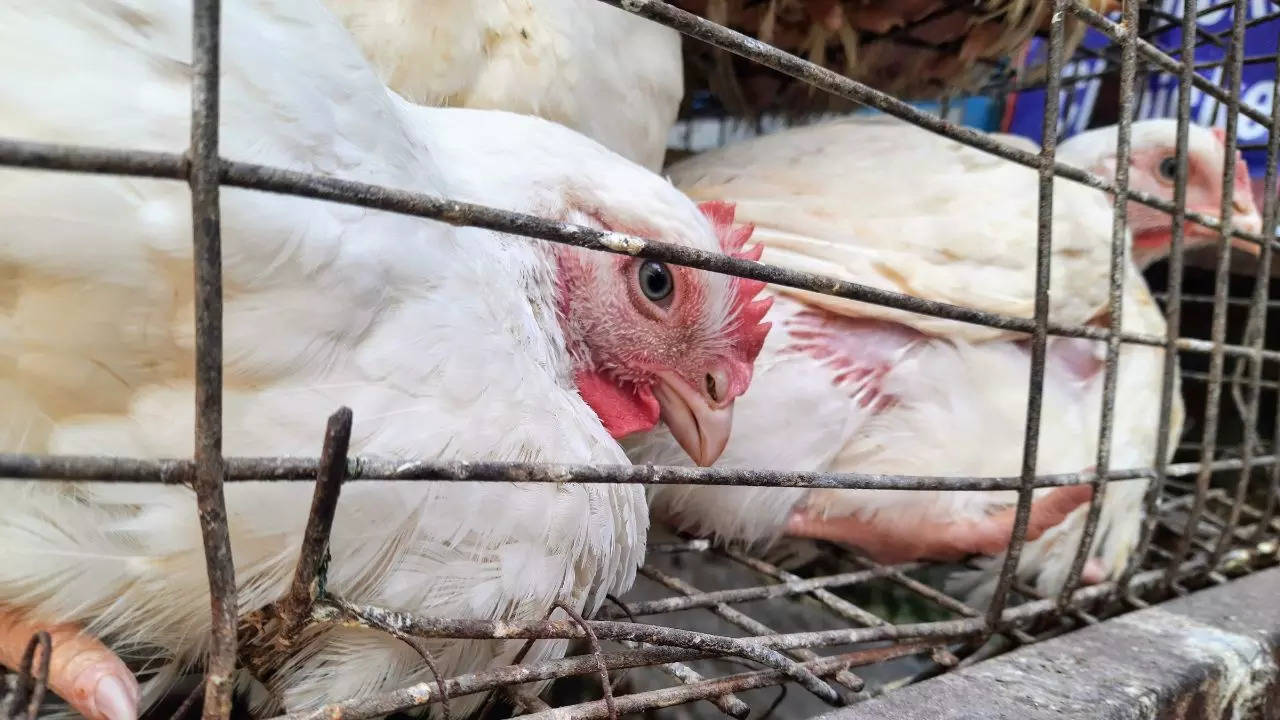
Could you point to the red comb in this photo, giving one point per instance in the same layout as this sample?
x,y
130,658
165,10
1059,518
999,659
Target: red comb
x,y
1220,134
750,332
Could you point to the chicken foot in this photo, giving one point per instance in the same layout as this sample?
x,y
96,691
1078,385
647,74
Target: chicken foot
x,y
82,671
948,541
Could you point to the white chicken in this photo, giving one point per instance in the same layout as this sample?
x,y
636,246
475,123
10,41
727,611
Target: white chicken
x,y
447,343
604,72
1153,166
863,388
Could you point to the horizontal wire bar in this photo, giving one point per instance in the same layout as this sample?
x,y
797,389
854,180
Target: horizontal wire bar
x,y
759,592
475,629
478,629
508,675
1208,300
14,466
47,156
425,693
1199,376
667,697
832,602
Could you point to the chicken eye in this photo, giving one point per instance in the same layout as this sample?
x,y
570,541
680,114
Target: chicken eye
x,y
655,280
1169,168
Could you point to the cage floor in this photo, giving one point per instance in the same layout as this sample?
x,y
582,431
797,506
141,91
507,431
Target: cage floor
x,y
690,584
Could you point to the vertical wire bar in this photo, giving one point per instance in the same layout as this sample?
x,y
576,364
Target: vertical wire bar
x,y
207,256
1115,298
1218,331
1039,335
1173,305
1257,323
1270,218
306,586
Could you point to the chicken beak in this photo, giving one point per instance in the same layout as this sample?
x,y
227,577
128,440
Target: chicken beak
x,y
702,430
1248,220
1246,214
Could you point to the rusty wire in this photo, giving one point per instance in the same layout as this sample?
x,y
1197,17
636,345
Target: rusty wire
x,y
1115,300
1209,438
911,639
1202,541
22,692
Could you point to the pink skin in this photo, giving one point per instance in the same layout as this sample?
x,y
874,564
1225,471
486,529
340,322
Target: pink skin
x,y
1152,230
82,670
950,541
641,359
859,352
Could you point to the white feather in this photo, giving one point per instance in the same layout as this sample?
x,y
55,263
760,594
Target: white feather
x,y
612,76
444,342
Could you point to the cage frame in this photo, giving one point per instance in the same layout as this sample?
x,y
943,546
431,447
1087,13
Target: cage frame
x,y
205,171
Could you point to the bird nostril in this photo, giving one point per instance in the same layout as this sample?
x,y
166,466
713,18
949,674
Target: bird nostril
x,y
711,388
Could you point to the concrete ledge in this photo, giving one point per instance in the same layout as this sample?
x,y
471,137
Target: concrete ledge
x,y
1213,654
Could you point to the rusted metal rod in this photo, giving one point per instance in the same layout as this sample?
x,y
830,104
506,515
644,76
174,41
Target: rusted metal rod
x,y
47,156
295,608
1222,276
427,692
668,697
291,469
759,592
1040,336
203,172
335,610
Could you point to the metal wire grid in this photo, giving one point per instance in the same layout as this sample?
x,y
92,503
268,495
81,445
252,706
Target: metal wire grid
x,y
1202,540
938,645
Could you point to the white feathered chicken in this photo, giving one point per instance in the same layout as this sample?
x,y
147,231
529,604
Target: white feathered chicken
x,y
844,386
1153,164
447,343
604,72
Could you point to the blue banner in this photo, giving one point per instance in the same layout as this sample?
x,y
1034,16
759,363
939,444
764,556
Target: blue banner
x,y
1262,41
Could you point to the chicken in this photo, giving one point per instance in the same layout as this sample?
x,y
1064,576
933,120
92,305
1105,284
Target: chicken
x,y
1153,168
450,344
865,388
606,73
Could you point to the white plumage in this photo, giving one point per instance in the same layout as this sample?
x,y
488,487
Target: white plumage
x,y
847,386
602,71
447,343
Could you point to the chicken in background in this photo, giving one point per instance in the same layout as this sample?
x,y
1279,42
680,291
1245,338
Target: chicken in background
x,y
448,343
847,386
1153,167
602,71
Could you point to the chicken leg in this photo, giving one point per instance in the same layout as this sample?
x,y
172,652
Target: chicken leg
x,y
82,671
950,541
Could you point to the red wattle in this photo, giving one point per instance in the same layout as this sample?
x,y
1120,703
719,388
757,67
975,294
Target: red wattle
x,y
1151,239
622,410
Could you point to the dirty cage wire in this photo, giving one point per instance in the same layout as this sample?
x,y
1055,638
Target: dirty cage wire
x,y
1237,533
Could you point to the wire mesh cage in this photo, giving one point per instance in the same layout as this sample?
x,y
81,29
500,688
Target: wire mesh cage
x,y
723,630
